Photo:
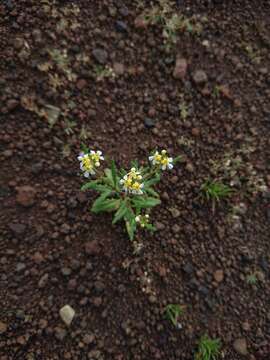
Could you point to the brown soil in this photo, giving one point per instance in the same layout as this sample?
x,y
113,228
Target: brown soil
x,y
54,252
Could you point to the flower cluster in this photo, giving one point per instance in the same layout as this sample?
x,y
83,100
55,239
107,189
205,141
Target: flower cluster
x,y
142,220
90,161
132,182
161,160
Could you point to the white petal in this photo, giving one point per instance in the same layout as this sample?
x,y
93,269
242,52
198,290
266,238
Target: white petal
x,y
101,158
99,152
163,167
86,174
170,159
151,158
170,166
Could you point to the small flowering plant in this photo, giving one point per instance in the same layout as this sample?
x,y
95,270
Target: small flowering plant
x,y
129,194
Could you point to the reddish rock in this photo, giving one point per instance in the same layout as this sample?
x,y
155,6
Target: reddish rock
x,y
26,195
92,248
219,276
81,84
3,327
140,22
180,68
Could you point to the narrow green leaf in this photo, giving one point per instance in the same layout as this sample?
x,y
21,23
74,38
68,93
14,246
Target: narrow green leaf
x,y
107,205
108,178
152,192
95,186
114,173
131,228
100,199
177,159
84,148
148,202
152,181
120,212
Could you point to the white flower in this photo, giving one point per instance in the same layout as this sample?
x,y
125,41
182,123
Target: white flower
x,y
90,161
131,182
161,160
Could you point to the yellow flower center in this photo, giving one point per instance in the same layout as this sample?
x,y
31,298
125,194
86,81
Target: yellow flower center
x,y
158,158
136,186
87,163
165,161
95,157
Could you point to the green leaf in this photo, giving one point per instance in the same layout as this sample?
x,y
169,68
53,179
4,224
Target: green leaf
x,y
177,159
152,192
131,228
121,211
107,205
95,186
109,178
150,227
130,223
152,182
84,148
100,199
114,173
147,202
135,164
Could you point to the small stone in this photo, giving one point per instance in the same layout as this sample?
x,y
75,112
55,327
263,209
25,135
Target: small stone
x,y
94,354
17,229
240,346
8,154
121,26
72,284
195,132
12,104
118,68
176,228
43,281
92,248
97,301
199,77
188,269
66,271
88,339
140,22
67,314
20,267
180,68
219,276
26,195
246,326
100,55
43,323
175,212
3,327
60,333
99,286
152,299
37,257
18,43
190,168
81,84
149,123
